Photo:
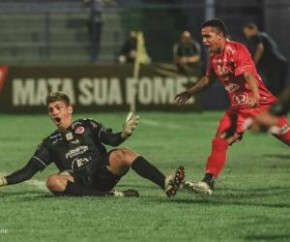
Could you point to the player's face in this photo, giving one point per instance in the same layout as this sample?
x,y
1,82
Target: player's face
x,y
212,39
61,114
248,33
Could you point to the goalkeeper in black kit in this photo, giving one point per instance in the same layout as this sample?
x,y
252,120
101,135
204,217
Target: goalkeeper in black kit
x,y
85,167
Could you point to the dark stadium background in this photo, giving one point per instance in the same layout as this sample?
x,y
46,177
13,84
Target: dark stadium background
x,y
56,33
45,44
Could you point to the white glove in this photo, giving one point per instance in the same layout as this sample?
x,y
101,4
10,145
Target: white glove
x,y
131,123
3,181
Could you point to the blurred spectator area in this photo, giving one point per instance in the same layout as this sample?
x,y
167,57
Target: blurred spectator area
x,y
56,31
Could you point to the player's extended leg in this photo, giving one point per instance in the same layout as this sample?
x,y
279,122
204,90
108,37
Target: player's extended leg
x,y
121,160
284,125
65,184
214,166
226,135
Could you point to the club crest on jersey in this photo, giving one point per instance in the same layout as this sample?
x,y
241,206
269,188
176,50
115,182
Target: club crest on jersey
x,y
80,130
69,136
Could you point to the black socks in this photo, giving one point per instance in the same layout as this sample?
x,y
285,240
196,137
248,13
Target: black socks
x,y
209,179
143,168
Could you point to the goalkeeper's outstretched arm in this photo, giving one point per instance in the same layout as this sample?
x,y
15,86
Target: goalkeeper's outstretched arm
x,y
28,171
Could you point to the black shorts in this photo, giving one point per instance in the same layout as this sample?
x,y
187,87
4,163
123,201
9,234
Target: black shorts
x,y
95,175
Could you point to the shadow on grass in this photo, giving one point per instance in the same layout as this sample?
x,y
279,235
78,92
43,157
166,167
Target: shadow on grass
x,y
268,237
247,193
233,198
218,203
279,156
135,186
224,197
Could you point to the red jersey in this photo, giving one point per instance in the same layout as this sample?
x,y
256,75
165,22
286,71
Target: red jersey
x,y
229,67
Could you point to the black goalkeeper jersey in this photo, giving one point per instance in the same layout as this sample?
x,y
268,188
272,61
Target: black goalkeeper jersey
x,y
82,143
77,149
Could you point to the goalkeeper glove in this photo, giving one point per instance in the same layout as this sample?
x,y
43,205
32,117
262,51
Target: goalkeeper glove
x,y
131,123
3,181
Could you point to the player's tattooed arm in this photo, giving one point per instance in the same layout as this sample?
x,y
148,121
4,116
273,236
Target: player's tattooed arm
x,y
253,85
203,83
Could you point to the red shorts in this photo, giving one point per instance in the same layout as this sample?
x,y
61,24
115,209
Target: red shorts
x,y
235,119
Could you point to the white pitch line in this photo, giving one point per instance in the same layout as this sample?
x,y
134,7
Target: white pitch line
x,y
37,183
32,182
151,122
164,124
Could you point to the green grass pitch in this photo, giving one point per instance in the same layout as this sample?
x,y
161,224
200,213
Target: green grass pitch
x,y
251,201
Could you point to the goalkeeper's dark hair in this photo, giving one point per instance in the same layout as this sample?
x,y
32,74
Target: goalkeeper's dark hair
x,y
218,24
57,96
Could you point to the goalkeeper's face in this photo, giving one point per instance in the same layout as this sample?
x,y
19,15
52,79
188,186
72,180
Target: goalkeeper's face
x,y
61,114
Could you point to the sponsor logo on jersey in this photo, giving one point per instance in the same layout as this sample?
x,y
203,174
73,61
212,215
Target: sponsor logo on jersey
x,y
232,87
240,99
77,151
55,138
75,142
79,162
80,130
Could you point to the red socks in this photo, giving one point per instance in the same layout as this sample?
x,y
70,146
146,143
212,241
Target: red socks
x,y
217,158
285,130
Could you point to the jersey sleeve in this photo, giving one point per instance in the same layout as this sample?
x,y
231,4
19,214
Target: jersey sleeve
x,y
243,61
42,155
96,128
105,135
28,171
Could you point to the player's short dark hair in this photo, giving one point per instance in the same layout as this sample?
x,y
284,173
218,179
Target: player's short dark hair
x,y
216,23
250,26
57,96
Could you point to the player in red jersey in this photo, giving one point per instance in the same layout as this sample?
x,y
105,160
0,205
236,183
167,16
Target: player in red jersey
x,y
232,64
